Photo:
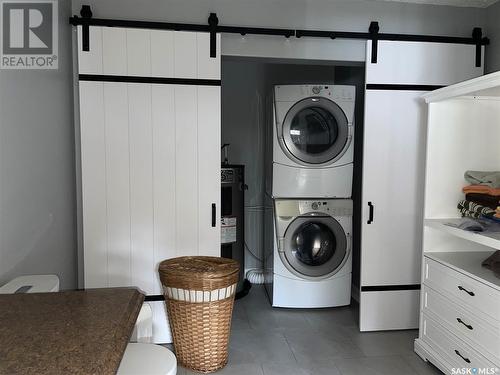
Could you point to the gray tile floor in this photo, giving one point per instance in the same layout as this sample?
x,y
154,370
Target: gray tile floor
x,y
267,341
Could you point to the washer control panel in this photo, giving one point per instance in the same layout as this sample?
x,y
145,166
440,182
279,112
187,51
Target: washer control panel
x,y
331,207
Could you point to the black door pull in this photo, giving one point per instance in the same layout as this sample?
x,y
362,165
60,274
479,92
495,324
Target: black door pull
x,y
370,217
461,356
465,324
466,291
214,214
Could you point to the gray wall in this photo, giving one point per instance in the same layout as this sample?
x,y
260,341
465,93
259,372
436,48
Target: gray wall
x,y
246,88
37,188
243,94
336,14
351,15
37,209
493,32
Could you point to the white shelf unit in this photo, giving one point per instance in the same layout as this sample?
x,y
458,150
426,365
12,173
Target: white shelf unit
x,y
490,239
460,299
469,264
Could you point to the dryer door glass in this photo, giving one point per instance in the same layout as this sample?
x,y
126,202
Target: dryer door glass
x,y
315,131
315,246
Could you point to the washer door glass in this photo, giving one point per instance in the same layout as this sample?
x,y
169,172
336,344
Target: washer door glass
x,y
315,130
315,246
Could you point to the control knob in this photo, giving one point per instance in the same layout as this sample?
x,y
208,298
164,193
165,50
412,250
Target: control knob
x,y
316,90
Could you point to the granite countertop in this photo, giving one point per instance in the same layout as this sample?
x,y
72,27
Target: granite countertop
x,y
73,332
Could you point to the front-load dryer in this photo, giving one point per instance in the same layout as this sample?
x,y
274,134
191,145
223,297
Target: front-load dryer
x,y
313,143
312,257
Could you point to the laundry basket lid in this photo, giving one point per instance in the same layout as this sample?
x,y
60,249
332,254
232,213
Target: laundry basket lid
x,y
199,272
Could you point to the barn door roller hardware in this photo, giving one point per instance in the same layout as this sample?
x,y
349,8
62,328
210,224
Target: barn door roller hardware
x,y
213,27
477,35
374,29
213,21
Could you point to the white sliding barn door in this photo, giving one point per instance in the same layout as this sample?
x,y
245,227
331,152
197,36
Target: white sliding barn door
x,y
393,173
149,155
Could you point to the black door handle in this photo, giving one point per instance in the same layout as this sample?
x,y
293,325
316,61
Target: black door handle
x,y
214,214
461,356
466,291
370,217
465,324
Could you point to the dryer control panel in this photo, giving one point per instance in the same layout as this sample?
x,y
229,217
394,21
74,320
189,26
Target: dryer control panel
x,y
294,93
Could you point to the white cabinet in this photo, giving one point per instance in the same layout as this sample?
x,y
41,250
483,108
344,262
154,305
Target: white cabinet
x,y
393,173
150,144
392,182
460,312
460,299
422,63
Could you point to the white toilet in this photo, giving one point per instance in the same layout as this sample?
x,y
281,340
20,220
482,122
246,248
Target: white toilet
x,y
143,330
142,357
148,359
31,284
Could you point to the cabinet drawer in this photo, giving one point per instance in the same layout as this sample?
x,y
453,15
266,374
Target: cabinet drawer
x,y
479,333
457,353
473,295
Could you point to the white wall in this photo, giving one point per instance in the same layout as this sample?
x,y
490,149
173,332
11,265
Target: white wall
x,y
493,32
37,176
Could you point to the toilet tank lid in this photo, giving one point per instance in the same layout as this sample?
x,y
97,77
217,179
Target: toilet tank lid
x,y
31,284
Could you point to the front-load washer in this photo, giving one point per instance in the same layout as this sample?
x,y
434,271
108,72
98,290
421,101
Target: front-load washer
x,y
312,258
313,141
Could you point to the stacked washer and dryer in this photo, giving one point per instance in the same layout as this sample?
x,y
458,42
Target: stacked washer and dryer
x,y
308,221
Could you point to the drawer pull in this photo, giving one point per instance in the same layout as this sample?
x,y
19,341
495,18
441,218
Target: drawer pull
x,y
466,291
461,356
465,324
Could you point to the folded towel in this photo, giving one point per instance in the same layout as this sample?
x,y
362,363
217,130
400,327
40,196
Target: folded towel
x,y
493,263
481,189
471,214
491,179
491,201
476,208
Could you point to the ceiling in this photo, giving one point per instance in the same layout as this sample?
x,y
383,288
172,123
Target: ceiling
x,y
457,3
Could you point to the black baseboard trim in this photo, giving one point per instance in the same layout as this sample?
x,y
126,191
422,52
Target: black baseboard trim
x,y
401,87
154,298
154,80
384,288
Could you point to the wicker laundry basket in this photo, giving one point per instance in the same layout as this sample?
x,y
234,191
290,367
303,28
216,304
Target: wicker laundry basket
x,y
199,293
